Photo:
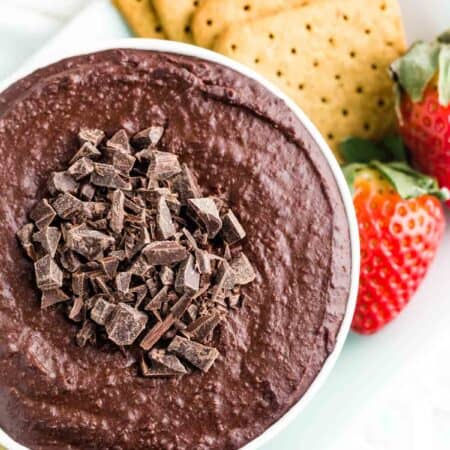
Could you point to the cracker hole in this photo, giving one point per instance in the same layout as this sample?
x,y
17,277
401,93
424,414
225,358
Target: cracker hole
x,y
209,22
233,47
359,90
367,31
383,7
345,17
316,63
381,102
352,54
330,136
256,60
389,43
374,66
323,100
293,50
301,87
279,73
308,26
195,3
344,112
271,36
246,7
337,77
331,40
158,29
366,126
187,29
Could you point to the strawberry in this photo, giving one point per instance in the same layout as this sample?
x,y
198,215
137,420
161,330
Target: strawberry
x,y
423,80
401,222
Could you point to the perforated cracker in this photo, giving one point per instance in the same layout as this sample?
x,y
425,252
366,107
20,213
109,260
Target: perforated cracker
x,y
214,16
332,58
141,18
176,16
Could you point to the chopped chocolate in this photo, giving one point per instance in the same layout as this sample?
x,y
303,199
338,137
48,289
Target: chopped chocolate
x,y
95,210
76,310
81,168
163,165
243,270
88,151
86,333
140,266
169,362
119,142
88,243
126,324
152,285
202,261
204,211
180,307
155,333
192,311
123,280
110,265
106,175
225,278
52,297
61,182
166,228
202,328
187,279
199,355
123,162
87,191
102,311
164,253
148,137
66,205
80,284
167,276
140,293
91,135
69,261
24,235
156,302
232,229
186,185
42,214
48,274
49,239
117,212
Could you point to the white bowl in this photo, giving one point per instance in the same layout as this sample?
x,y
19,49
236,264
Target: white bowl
x,y
191,50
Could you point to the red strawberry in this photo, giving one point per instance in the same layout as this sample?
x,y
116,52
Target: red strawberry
x,y
401,222
423,79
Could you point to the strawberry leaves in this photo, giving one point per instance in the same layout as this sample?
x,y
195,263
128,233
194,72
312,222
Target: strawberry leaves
x,y
417,67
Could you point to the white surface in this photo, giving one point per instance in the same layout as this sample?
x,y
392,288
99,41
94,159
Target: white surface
x,y
390,391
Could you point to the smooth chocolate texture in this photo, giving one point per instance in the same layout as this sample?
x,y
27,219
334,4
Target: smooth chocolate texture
x,y
241,142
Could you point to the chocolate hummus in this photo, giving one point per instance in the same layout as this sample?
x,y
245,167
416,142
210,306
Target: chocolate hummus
x,y
244,147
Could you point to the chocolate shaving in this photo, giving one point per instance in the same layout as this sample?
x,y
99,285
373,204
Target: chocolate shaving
x,y
102,311
52,297
187,279
232,229
167,276
43,214
163,165
48,275
199,355
81,168
119,142
117,212
164,253
48,238
106,175
126,324
243,270
88,243
166,228
204,211
186,185
76,310
66,205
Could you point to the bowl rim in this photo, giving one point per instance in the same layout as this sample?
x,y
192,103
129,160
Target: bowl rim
x,y
166,46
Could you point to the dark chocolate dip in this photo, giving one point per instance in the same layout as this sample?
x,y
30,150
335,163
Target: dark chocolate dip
x,y
243,144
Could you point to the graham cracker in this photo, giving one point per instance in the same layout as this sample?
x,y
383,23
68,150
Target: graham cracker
x,y
332,58
141,18
176,17
214,16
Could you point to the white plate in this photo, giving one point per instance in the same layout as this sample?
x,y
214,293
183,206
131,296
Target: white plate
x,y
190,50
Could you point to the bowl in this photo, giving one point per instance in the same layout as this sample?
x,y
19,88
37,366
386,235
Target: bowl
x,y
190,50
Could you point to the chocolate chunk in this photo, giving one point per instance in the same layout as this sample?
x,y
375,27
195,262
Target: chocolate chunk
x,y
76,310
140,266
79,284
143,239
197,354
102,311
52,297
24,234
87,151
61,182
91,135
167,276
166,228
87,191
123,162
117,212
100,285
123,280
81,168
186,185
192,311
232,229
48,274
243,270
42,214
225,277
187,279
148,137
163,165
106,175
180,307
202,261
203,327
204,211
126,325
156,302
152,285
88,243
48,238
95,210
110,265
155,334
119,254
170,362
100,225
69,261
85,334
119,142
66,205
140,293
164,253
